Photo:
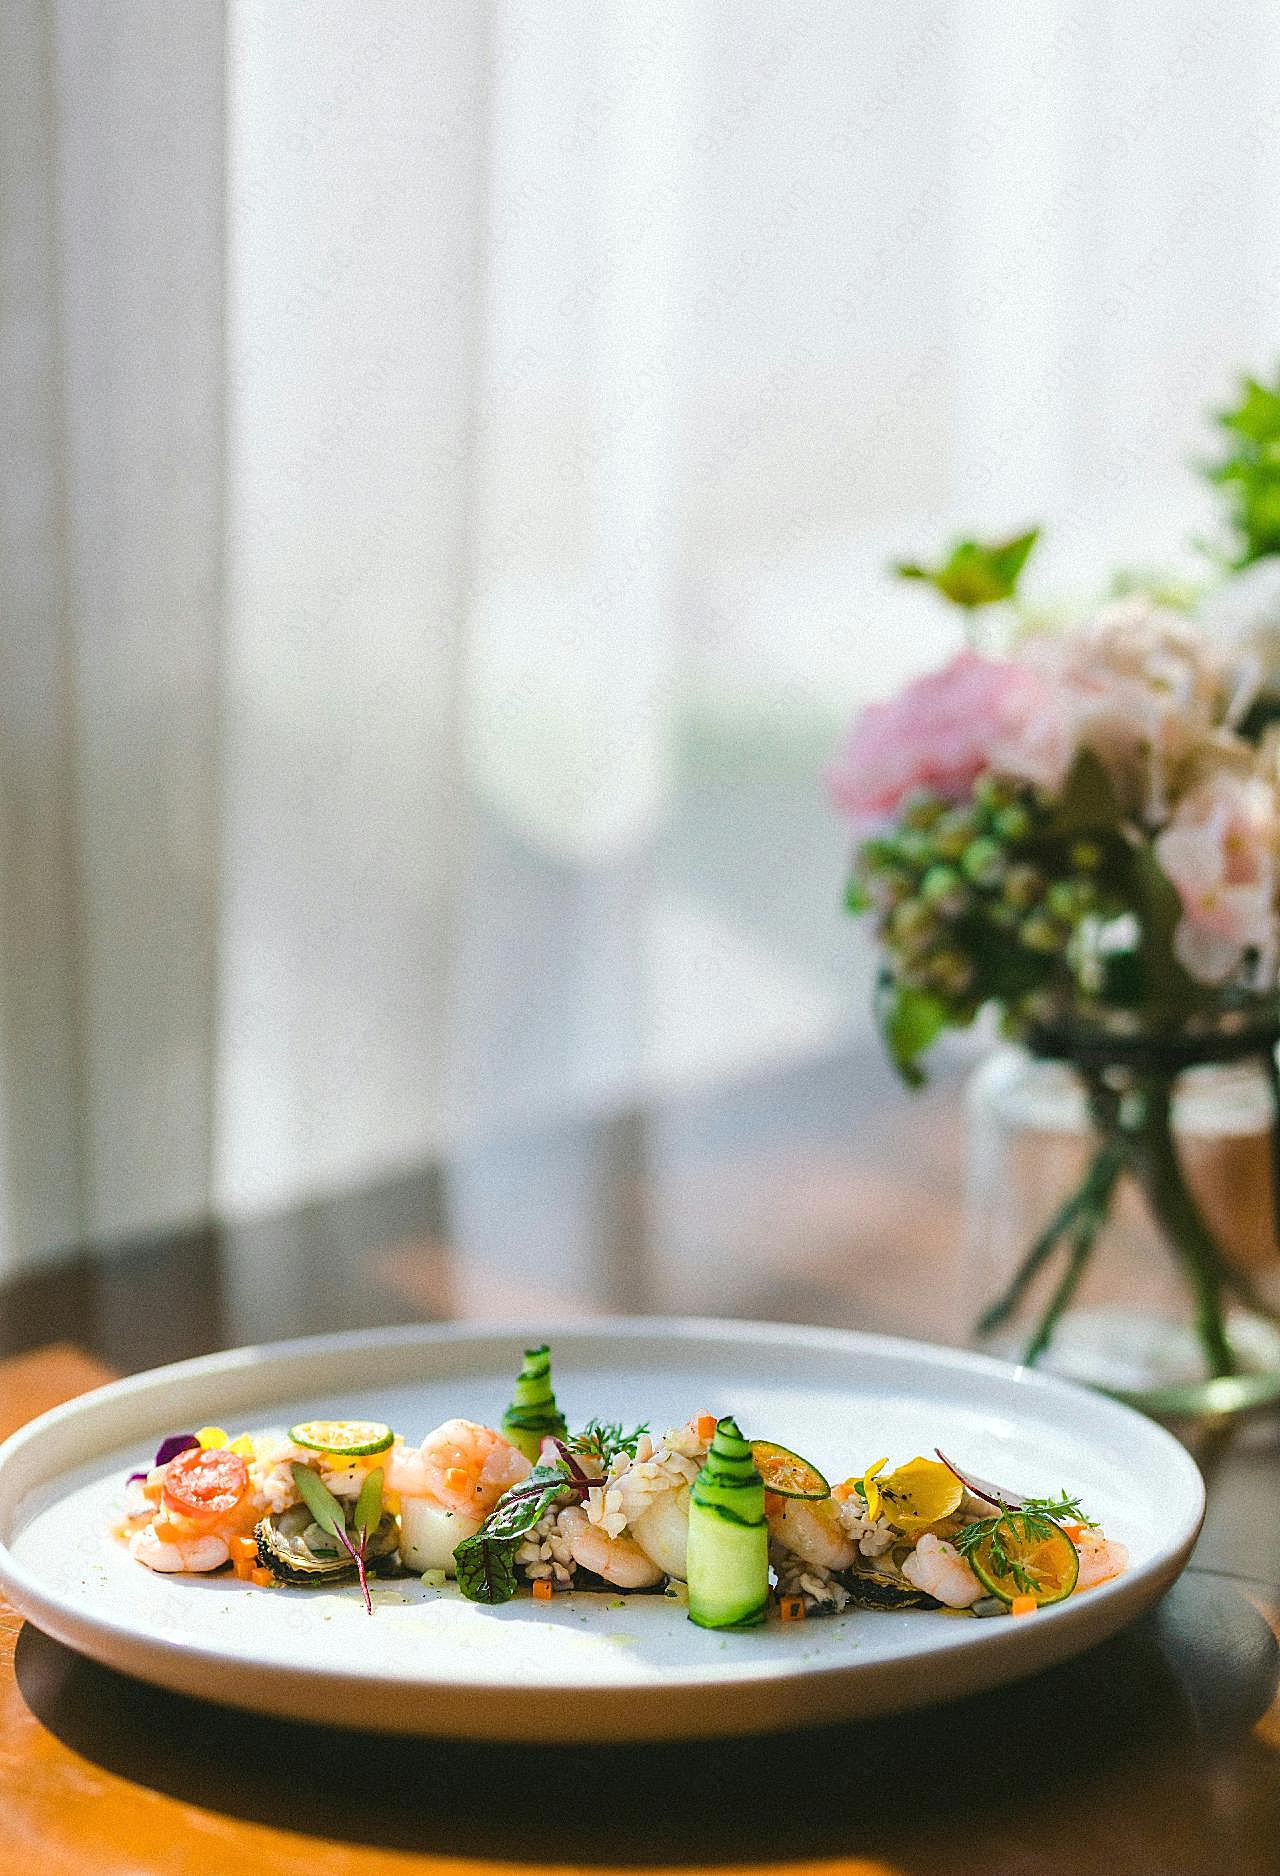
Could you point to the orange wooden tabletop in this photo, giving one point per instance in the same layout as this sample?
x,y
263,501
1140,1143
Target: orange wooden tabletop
x,y
1157,1752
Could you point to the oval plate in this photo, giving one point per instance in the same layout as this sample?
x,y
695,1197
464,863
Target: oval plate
x,y
586,1666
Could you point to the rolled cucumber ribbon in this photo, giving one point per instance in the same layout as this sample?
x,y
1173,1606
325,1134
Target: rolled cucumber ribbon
x,y
728,1537
533,1414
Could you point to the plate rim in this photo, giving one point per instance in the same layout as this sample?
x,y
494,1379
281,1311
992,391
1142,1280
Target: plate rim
x,y
1057,1633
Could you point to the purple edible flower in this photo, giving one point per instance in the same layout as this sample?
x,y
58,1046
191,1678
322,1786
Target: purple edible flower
x,y
175,1444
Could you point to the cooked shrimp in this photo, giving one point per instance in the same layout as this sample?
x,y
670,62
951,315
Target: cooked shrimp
x,y
1100,1558
938,1569
618,1560
170,1555
812,1529
139,1506
662,1531
460,1465
404,1472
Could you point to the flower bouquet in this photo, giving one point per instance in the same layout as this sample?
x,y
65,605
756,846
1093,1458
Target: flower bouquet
x,y
1083,832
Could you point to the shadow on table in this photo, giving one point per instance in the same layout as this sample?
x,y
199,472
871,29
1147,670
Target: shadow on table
x,y
1117,1740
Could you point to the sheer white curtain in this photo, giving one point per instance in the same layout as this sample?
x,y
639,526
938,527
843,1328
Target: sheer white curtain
x,y
111,608
448,445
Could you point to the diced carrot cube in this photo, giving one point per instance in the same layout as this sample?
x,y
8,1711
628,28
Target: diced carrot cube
x,y
1023,1605
791,1608
542,1590
263,1578
706,1427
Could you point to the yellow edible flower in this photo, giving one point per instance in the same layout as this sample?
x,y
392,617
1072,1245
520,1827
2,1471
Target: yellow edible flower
x,y
871,1489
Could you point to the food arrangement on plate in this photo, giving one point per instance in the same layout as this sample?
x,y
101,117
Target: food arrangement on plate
x,y
735,1530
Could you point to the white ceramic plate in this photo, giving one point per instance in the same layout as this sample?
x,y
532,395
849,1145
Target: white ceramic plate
x,y
587,1666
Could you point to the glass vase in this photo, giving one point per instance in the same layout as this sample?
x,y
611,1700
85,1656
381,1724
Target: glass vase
x,y
1122,1221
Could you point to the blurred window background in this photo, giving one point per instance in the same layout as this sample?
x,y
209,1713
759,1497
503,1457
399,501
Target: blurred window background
x,y
452,459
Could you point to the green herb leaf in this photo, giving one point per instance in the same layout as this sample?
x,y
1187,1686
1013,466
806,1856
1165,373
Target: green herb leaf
x,y
368,1512
486,1570
486,1563
1061,1509
320,1501
331,1517
1038,1518
976,573
604,1440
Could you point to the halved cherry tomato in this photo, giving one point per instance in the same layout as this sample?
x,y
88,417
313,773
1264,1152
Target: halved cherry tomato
x,y
205,1483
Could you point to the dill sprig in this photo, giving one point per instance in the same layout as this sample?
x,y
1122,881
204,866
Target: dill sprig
x,y
1064,1509
603,1440
1037,1519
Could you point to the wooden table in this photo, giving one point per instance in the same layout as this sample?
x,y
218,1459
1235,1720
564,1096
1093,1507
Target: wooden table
x,y
1157,1753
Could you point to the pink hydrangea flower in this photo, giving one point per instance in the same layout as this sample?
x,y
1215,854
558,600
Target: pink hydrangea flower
x,y
938,733
1219,852
1137,686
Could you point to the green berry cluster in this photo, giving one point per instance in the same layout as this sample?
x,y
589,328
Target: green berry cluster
x,y
976,899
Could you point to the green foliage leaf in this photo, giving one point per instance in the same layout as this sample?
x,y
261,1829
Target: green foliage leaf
x,y
1167,986
1257,415
1249,473
1088,803
910,1021
320,1501
486,1563
976,573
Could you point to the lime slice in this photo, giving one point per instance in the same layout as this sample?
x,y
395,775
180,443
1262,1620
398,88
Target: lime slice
x,y
1026,1557
347,1439
786,1473
919,1494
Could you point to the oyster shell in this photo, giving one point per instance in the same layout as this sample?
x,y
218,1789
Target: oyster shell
x,y
295,1549
880,1589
